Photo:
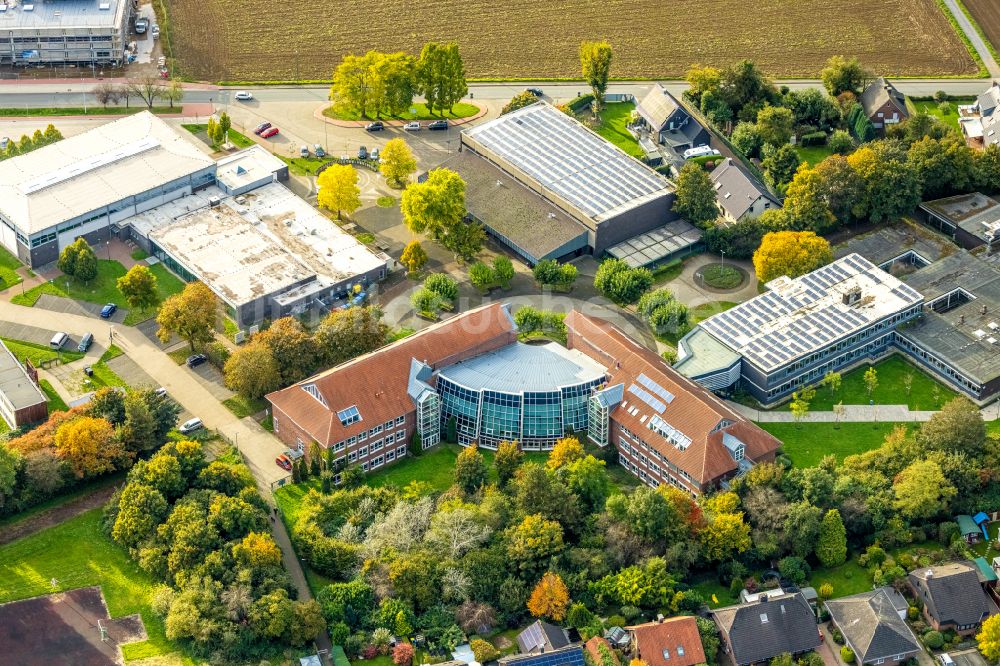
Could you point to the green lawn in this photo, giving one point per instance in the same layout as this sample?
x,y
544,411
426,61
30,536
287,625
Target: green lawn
x,y
77,554
386,201
242,407
721,276
56,403
667,272
39,353
806,443
931,109
813,155
8,269
926,393
235,138
304,166
103,289
420,112
696,314
614,117
105,376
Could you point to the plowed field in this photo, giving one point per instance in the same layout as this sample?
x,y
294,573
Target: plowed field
x,y
987,15
522,39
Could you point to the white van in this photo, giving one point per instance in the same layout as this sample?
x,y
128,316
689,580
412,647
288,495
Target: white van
x,y
58,341
700,151
191,426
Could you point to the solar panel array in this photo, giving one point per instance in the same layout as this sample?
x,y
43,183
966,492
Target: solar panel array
x,y
532,636
565,657
667,396
566,158
817,315
644,395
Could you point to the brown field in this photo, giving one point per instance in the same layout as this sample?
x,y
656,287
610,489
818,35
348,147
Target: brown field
x,y
987,15
523,39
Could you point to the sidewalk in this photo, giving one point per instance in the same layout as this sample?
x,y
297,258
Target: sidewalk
x,y
854,414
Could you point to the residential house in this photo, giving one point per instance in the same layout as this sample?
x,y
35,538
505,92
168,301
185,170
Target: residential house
x,y
883,104
873,626
541,637
980,121
671,642
593,647
567,656
739,194
952,595
668,122
776,624
21,401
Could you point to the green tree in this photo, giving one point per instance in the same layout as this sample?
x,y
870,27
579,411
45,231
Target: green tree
x,y
533,541
957,427
78,261
891,187
11,463
503,271
191,314
414,257
138,429
173,92
225,122
942,165
357,81
831,546
791,253
138,286
252,371
443,285
440,75
295,351
506,461
780,166
482,276
621,283
844,75
471,472
832,380
338,189
841,187
140,510
922,491
425,301
805,204
775,125
437,207
347,334
587,478
519,101
871,380
840,142
710,641
397,161
747,139
696,200
595,62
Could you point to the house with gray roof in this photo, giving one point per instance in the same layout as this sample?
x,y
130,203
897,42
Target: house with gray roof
x,y
739,194
980,122
883,104
541,637
953,596
669,122
773,625
873,627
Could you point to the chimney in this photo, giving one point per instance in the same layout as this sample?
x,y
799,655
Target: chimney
x,y
929,574
659,618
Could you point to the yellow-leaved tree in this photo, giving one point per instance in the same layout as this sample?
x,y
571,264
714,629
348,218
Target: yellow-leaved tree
x,y
397,161
550,598
89,446
565,451
791,253
338,189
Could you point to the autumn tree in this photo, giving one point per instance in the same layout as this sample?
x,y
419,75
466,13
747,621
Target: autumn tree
x,y
844,75
414,257
471,472
519,101
507,459
724,535
791,253
191,314
148,88
871,380
338,189
533,541
922,491
252,371
173,92
696,200
437,207
107,93
294,350
397,161
440,75
989,638
550,598
957,427
402,654
138,286
346,334
565,451
89,446
805,204
831,546
595,62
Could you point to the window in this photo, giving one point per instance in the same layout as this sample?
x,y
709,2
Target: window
x,y
364,466
300,445
377,462
274,424
400,451
680,650
351,441
390,456
400,420
349,415
362,436
363,451
352,456
376,430
338,447
376,445
387,424
314,392
666,653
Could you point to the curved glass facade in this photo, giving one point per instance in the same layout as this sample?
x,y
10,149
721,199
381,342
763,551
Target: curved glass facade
x,y
536,419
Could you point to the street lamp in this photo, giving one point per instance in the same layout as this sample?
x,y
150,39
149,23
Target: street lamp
x,y
723,258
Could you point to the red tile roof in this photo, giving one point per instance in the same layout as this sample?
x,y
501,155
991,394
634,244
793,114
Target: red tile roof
x,y
695,411
377,382
661,643
592,648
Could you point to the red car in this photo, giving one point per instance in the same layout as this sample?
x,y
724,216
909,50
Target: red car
x,y
269,132
284,463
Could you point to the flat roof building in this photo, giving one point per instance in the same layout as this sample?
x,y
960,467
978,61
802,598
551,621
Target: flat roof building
x,y
68,32
570,183
21,401
970,219
469,376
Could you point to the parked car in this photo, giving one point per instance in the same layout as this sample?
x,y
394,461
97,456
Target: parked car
x,y
373,155
269,132
304,151
154,31
190,426
376,126
108,310
362,153
537,92
700,151
438,125
318,149
244,95
260,128
58,340
411,126
284,463
195,360
141,24
161,392
85,343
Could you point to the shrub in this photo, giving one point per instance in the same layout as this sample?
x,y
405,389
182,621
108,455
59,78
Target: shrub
x,y
826,591
794,569
483,651
630,612
669,355
933,639
735,588
443,285
615,621
425,301
518,101
838,637
621,283
947,532
912,613
945,108
813,139
847,654
840,142
581,102
482,276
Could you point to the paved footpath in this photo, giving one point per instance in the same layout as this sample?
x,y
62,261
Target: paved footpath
x,y
855,414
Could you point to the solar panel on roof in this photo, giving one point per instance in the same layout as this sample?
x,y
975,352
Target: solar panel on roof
x,y
667,396
647,398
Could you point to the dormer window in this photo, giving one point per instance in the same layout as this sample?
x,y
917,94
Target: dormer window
x,y
349,416
314,392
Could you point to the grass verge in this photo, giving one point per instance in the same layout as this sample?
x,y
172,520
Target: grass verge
x,y
243,407
38,354
420,112
56,403
8,269
88,111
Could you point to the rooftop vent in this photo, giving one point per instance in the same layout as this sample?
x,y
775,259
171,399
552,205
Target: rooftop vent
x,y
104,6
28,8
853,296
929,573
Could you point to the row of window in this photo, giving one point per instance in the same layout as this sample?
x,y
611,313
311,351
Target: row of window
x,y
375,463
374,446
364,436
668,472
674,469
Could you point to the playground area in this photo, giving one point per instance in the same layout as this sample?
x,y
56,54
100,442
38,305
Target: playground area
x,y
71,628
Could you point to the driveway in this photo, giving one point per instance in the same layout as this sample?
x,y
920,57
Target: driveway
x,y
68,305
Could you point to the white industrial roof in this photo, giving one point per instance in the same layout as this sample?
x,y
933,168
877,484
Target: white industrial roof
x,y
566,158
265,244
101,166
798,317
520,368
247,166
60,15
